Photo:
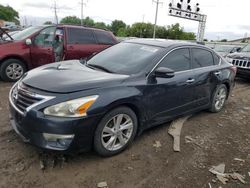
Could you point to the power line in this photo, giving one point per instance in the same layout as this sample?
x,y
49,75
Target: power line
x,y
156,14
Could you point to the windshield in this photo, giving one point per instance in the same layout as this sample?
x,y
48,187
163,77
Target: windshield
x,y
125,58
223,48
246,48
26,33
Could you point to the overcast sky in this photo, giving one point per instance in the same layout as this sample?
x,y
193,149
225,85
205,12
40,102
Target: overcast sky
x,y
226,19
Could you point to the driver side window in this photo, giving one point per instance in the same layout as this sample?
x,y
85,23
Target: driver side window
x,y
45,38
178,60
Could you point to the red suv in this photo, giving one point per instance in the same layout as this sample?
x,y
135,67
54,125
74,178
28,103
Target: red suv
x,y
40,45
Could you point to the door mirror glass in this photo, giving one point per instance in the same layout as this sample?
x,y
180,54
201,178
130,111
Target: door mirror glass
x,y
163,72
28,42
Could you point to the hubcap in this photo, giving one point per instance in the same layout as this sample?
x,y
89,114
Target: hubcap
x,y
14,71
220,98
117,132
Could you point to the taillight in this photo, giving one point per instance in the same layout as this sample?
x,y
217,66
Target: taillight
x,y
234,69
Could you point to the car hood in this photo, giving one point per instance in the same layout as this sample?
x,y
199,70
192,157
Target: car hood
x,y
223,54
6,42
240,55
70,76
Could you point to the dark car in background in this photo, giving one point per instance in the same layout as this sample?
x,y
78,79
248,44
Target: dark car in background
x,y
224,50
242,61
103,103
40,45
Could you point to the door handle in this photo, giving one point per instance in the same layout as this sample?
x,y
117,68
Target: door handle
x,y
190,80
217,73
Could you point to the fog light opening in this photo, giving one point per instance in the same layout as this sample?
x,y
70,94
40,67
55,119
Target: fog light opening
x,y
57,140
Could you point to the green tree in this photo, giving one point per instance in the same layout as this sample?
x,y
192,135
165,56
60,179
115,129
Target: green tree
x,y
174,31
47,23
88,22
187,36
71,20
224,40
7,13
116,25
142,30
101,25
122,32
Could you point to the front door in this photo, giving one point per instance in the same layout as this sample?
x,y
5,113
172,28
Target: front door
x,y
170,97
41,50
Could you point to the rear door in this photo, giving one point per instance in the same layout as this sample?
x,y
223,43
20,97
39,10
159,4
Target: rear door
x,y
169,97
41,50
207,75
80,43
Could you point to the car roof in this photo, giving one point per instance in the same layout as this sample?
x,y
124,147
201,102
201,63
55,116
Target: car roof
x,y
163,43
81,26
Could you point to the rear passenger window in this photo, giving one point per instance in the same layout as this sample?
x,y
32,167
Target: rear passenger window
x,y
178,60
103,37
202,58
80,36
216,59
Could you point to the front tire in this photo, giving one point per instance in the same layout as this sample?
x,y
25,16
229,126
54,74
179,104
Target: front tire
x,y
115,132
219,98
12,70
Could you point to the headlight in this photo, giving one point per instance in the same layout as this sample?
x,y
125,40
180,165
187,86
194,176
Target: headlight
x,y
72,108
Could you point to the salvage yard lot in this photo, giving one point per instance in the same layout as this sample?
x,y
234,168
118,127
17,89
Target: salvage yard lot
x,y
215,138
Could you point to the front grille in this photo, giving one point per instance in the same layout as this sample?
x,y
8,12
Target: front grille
x,y
241,63
22,98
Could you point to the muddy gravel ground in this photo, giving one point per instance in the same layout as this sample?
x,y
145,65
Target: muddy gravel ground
x,y
215,138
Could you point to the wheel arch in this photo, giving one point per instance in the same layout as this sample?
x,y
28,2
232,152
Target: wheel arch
x,y
135,108
227,84
15,57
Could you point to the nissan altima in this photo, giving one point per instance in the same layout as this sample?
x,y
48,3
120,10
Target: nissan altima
x,y
106,101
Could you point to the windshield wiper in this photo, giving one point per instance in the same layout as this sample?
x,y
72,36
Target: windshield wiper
x,y
99,67
2,31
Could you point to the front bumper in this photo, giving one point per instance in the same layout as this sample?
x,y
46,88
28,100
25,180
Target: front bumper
x,y
243,72
34,124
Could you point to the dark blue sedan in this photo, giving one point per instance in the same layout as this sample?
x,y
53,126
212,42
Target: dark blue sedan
x,y
105,101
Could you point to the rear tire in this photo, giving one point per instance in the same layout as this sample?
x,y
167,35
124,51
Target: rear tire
x,y
219,98
115,132
12,70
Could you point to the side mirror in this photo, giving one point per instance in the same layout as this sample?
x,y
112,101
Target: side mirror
x,y
28,42
163,72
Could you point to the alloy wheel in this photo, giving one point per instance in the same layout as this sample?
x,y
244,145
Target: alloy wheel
x,y
117,132
14,71
220,98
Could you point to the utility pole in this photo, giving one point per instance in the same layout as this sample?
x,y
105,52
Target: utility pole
x,y
143,16
156,14
82,3
55,11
